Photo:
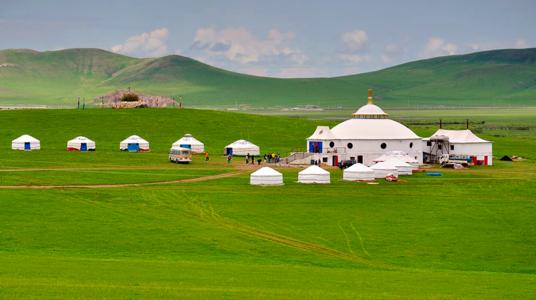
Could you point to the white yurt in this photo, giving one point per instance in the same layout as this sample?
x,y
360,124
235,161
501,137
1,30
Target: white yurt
x,y
242,148
314,174
188,141
81,143
402,167
134,143
399,155
26,142
358,172
383,169
266,176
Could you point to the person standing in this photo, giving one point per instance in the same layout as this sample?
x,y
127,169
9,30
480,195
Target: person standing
x,y
206,156
229,157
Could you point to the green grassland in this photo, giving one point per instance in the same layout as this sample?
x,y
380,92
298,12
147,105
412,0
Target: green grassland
x,y
468,234
57,78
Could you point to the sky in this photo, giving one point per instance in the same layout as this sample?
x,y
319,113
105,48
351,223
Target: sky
x,y
273,38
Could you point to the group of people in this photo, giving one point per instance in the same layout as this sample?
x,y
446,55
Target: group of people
x,y
251,158
272,158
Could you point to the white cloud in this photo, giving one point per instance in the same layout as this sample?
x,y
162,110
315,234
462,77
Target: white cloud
x,y
521,43
355,41
146,44
438,47
354,58
257,71
241,46
297,72
391,51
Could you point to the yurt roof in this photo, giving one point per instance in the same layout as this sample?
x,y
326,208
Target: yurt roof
x,y
358,168
241,143
313,170
384,165
373,129
322,133
188,139
397,162
134,138
370,111
460,136
25,138
266,171
81,139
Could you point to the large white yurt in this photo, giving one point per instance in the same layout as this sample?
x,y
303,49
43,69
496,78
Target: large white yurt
x,y
81,143
384,169
314,174
358,172
242,148
134,143
402,167
398,155
26,142
266,176
188,141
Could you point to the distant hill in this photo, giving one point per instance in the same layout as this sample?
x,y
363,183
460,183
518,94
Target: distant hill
x,y
490,78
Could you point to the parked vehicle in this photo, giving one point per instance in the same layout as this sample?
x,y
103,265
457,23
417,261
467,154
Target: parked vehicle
x,y
180,155
343,164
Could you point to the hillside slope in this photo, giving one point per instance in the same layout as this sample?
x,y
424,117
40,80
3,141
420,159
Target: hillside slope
x,y
499,77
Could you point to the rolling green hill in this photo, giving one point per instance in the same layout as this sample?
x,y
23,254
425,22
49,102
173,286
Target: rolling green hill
x,y
491,78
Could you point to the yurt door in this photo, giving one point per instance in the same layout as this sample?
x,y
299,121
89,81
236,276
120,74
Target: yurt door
x,y
229,151
27,146
360,159
335,161
133,147
83,147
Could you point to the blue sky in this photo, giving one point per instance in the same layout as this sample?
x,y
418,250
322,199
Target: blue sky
x,y
273,38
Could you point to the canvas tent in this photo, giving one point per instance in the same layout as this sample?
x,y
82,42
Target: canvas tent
x,y
399,155
402,167
26,142
314,174
242,148
358,172
188,141
464,143
266,176
134,143
383,169
81,143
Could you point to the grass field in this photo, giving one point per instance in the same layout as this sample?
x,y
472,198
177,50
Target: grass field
x,y
468,234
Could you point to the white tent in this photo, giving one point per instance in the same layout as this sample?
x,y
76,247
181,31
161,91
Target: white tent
x,y
242,148
358,172
383,169
188,141
26,142
466,143
81,143
399,155
402,167
266,176
134,143
314,174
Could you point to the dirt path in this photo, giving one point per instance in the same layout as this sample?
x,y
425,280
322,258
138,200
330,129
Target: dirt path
x,y
120,185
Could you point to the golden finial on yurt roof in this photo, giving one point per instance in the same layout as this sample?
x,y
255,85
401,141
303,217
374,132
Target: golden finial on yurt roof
x,y
369,96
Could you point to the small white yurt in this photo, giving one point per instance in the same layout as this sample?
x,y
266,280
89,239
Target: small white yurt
x,y
358,172
134,143
242,148
188,141
402,167
266,176
314,174
81,143
26,142
383,169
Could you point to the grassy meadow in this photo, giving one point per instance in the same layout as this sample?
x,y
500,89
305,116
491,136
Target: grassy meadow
x,y
469,234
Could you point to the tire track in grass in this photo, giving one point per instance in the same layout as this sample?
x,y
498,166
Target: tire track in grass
x,y
122,185
208,214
